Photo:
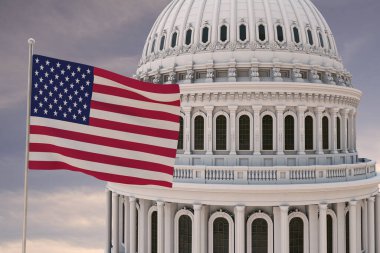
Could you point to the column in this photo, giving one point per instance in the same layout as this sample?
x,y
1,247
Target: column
x,y
371,225
109,221
256,129
323,228
284,237
160,227
169,227
132,222
354,132
115,222
313,228
358,226
301,129
127,225
277,229
377,223
143,225
204,226
209,109
341,220
365,225
344,114
318,115
197,229
240,229
187,129
334,144
280,129
233,109
352,239
351,131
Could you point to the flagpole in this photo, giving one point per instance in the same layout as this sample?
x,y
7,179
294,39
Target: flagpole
x,y
31,43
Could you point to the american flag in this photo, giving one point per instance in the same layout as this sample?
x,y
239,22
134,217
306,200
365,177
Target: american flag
x,y
109,126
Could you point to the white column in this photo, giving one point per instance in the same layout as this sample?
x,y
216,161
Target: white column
x,y
358,226
126,224
318,115
284,229
197,229
334,144
314,228
351,131
132,222
239,229
209,109
301,129
371,225
160,227
280,129
233,109
323,228
277,229
115,222
341,219
187,129
353,218
354,132
108,221
256,129
143,225
204,227
377,223
365,225
344,114
169,227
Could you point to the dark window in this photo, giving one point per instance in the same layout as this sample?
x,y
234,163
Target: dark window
x,y
260,236
348,232
309,140
180,135
199,133
267,132
321,42
189,35
329,234
325,132
280,33
221,236
310,37
184,234
174,39
205,32
223,33
296,239
296,35
338,146
221,133
289,133
244,132
162,43
154,232
243,32
153,46
262,33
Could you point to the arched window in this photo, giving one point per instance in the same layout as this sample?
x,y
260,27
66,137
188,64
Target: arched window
x,y
174,39
309,139
199,133
280,33
348,232
154,232
184,234
321,42
205,34
289,133
180,135
244,132
267,132
221,133
262,32
220,236
338,137
296,233
325,133
243,32
223,33
153,46
296,35
259,236
310,37
162,43
329,234
189,37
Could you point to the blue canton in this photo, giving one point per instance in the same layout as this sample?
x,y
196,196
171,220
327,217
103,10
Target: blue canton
x,y
61,90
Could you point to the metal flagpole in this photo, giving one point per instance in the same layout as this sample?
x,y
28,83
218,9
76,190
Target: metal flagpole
x,y
31,44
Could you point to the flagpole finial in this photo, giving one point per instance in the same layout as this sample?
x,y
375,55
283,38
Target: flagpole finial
x,y
31,41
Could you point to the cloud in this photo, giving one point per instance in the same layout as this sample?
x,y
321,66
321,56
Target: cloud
x,y
48,246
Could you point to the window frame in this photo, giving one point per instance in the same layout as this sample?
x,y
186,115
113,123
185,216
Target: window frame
x,y
150,212
193,131
329,132
185,37
215,116
177,216
251,219
208,35
295,130
308,38
303,217
246,32
321,40
258,32
171,39
314,131
274,131
251,129
227,33
295,26
231,228
276,33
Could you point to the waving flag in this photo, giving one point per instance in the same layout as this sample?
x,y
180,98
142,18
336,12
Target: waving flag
x,y
90,120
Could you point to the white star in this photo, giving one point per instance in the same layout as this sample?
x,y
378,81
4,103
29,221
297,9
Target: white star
x,y
41,79
88,83
36,73
46,74
86,95
51,69
55,88
45,99
60,95
51,81
58,65
72,86
69,109
68,67
65,90
56,76
45,112
79,111
67,78
55,101
74,116
65,115
78,69
36,85
73,73
60,108
77,80
55,113
41,92
42,67
82,88
88,71
65,102
60,83
76,93
35,98
80,99
83,76
84,118
35,110
50,106
41,104
62,72
45,87
47,62
75,104
70,97
37,60
85,106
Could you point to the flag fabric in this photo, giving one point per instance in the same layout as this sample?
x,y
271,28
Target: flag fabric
x,y
109,126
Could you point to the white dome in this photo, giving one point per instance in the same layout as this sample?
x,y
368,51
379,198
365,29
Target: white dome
x,y
207,35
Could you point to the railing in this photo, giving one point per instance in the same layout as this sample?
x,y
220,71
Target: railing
x,y
274,175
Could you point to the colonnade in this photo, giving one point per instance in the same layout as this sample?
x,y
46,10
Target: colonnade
x,y
133,228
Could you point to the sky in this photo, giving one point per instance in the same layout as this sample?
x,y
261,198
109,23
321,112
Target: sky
x,y
67,210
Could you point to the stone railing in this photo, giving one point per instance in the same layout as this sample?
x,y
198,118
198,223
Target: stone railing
x,y
274,175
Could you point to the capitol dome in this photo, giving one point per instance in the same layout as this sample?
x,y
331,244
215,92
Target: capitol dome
x,y
267,160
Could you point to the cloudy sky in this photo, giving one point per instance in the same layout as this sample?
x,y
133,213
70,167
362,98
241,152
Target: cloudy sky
x,y
67,210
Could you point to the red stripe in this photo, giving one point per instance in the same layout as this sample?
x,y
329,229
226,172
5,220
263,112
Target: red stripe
x,y
100,158
133,111
104,141
149,87
113,91
41,165
123,127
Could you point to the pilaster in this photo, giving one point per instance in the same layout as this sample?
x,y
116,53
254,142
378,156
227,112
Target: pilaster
x,y
341,219
333,113
323,228
353,228
371,225
284,237
132,222
318,115
209,109
344,114
256,129
187,129
160,227
233,109
280,129
314,228
239,229
197,229
115,223
301,129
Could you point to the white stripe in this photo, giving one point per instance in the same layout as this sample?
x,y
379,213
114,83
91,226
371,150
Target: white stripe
x,y
99,149
99,167
133,120
135,103
97,131
151,95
